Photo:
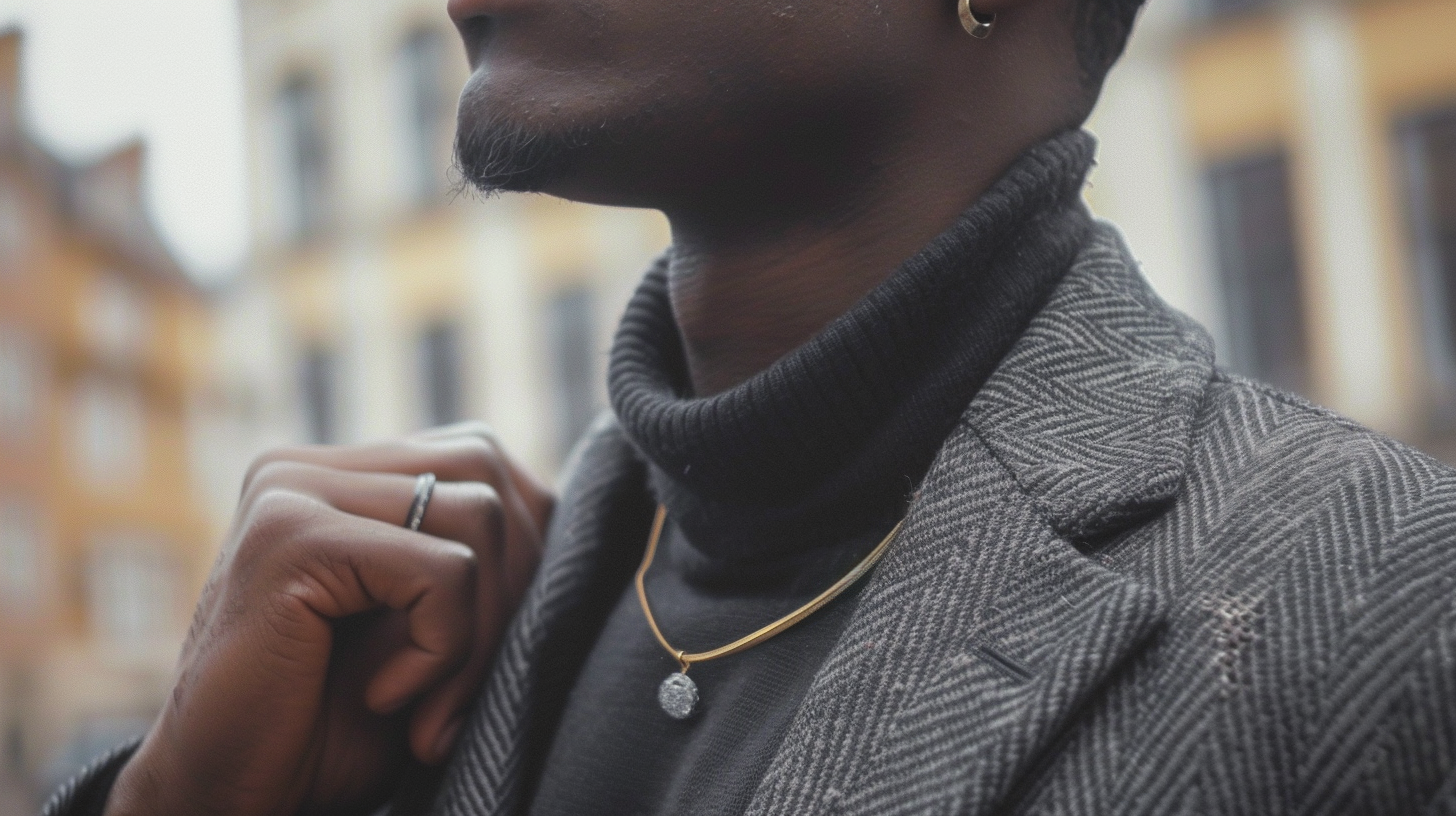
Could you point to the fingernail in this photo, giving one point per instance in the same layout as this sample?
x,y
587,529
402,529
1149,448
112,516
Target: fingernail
x,y
447,739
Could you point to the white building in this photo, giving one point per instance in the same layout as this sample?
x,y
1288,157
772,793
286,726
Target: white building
x,y
377,301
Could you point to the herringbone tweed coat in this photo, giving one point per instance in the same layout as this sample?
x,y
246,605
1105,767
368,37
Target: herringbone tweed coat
x,y
1130,584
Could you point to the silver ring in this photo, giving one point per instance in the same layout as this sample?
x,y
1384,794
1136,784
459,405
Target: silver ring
x,y
424,489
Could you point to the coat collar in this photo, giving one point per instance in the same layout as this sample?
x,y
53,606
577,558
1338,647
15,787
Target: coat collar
x,y
986,628
1092,411
983,630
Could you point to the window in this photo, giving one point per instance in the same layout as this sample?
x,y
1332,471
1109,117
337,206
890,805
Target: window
x,y
9,120
1428,148
110,429
10,48
303,148
14,231
15,747
20,386
1216,9
117,318
20,557
573,334
426,109
1258,259
318,387
440,369
132,590
107,197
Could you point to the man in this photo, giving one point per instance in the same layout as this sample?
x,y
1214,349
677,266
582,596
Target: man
x,y
1103,575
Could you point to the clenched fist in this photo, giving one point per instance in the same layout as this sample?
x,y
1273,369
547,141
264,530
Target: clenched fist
x,y
331,643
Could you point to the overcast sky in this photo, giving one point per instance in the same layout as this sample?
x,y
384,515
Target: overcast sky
x,y
98,72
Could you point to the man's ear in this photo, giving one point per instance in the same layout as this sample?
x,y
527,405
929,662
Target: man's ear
x,y
982,17
1030,45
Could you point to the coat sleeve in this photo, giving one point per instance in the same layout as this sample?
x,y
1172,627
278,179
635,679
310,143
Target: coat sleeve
x,y
86,793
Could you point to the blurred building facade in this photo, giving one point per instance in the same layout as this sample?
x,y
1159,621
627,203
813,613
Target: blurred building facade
x,y
103,539
1286,171
378,300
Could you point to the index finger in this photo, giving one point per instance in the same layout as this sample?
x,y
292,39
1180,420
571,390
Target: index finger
x,y
454,454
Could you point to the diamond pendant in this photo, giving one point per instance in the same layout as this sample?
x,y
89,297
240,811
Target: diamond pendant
x,y
678,696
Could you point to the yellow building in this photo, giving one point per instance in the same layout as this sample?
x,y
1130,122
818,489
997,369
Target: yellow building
x,y
377,301
103,544
1287,173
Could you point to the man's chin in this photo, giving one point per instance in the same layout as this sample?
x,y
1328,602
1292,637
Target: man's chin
x,y
505,144
494,155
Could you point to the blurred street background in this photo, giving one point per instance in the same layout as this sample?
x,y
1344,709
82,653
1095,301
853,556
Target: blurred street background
x,y
229,224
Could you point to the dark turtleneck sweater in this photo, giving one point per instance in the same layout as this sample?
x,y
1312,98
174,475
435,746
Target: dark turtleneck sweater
x,y
780,485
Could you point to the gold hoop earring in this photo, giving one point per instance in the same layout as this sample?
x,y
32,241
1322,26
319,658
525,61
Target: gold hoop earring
x,y
977,25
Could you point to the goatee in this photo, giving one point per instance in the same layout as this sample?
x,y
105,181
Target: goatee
x,y
496,153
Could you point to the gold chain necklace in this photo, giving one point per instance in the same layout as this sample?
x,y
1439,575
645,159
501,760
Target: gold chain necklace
x,y
678,695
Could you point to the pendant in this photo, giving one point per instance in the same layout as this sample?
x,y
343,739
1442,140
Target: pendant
x,y
678,696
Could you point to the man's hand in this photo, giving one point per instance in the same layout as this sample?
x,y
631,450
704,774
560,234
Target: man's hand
x,y
331,643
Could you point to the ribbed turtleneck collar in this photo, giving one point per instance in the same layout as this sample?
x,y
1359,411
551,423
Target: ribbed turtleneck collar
x,y
832,439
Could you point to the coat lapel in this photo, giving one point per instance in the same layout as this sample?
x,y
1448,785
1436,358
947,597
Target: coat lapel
x,y
991,623
597,529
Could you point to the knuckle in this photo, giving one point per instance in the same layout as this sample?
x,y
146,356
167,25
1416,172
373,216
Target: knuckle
x,y
481,501
264,460
272,474
477,457
461,565
276,518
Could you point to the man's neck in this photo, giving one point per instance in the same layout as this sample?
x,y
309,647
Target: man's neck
x,y
745,297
